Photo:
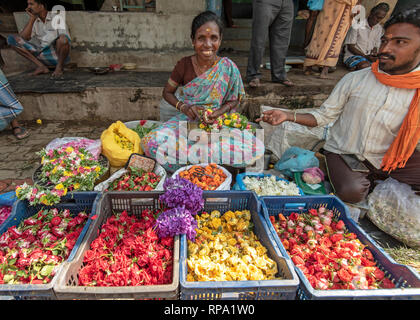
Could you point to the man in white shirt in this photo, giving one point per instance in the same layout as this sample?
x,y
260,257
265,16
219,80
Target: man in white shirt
x,y
41,42
375,123
363,40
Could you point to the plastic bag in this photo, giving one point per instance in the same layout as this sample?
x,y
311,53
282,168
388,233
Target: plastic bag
x,y
159,170
394,208
313,175
315,5
8,198
296,159
116,154
92,146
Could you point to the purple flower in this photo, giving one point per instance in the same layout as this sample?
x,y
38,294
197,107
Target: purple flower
x,y
180,192
176,221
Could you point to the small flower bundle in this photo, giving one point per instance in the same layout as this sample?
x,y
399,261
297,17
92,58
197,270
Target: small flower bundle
x,y
65,169
39,195
183,200
32,251
232,120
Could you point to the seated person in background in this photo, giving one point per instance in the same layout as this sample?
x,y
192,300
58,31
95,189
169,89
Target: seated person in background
x,y
10,107
376,115
362,41
40,42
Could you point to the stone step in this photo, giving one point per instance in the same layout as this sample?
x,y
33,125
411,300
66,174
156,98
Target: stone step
x,y
132,95
237,33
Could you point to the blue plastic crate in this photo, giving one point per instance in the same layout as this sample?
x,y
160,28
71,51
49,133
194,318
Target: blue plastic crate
x,y
405,278
240,290
239,185
75,203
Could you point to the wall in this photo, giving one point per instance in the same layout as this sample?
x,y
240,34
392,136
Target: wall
x,y
150,39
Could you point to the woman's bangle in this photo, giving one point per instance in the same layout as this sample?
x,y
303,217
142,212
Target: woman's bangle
x,y
176,106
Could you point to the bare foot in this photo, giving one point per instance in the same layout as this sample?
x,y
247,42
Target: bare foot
x,y
58,72
324,76
40,70
307,71
324,73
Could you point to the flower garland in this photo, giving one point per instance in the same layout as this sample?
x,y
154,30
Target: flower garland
x,y
232,120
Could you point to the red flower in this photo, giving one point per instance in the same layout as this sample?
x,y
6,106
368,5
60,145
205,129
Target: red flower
x,y
344,275
339,225
55,221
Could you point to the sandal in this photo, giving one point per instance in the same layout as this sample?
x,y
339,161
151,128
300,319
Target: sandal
x,y
254,83
286,82
22,134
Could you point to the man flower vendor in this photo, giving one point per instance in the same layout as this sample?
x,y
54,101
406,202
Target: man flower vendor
x,y
376,115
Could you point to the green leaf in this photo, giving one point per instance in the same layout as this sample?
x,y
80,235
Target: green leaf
x,y
46,270
7,278
12,262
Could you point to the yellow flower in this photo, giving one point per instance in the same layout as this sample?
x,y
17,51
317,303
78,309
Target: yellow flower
x,y
65,191
39,121
97,169
54,170
234,116
87,168
44,200
59,186
202,126
227,122
69,149
17,191
67,173
76,186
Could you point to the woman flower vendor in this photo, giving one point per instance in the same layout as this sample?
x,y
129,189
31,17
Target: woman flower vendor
x,y
198,83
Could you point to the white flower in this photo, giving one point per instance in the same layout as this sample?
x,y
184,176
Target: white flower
x,y
269,186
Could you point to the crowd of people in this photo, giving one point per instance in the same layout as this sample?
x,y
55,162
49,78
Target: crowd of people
x,y
374,110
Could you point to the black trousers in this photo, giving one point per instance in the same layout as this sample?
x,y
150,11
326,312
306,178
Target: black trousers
x,y
272,20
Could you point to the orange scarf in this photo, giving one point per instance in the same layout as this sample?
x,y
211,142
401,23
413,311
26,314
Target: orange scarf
x,y
408,136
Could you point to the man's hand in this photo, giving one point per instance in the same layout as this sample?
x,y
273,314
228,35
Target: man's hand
x,y
273,117
31,15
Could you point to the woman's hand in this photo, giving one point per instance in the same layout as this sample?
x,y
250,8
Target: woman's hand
x,y
273,117
193,112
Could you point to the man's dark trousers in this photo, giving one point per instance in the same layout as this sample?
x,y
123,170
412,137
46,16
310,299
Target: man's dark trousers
x,y
271,19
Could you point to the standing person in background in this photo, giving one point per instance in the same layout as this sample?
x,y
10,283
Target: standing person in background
x,y
271,19
227,9
314,6
331,28
10,106
40,42
363,41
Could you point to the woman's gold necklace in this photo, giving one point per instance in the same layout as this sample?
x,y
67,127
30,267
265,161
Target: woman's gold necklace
x,y
200,69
